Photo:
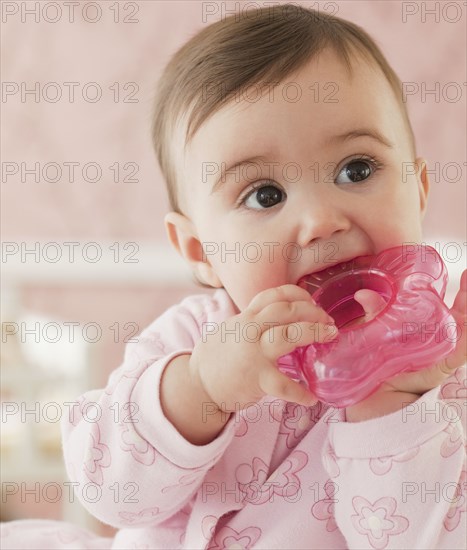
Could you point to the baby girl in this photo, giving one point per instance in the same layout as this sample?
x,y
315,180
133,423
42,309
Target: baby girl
x,y
286,147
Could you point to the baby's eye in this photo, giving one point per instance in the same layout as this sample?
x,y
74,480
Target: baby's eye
x,y
355,170
265,195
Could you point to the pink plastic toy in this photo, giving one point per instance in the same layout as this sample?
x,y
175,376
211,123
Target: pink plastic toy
x,y
413,331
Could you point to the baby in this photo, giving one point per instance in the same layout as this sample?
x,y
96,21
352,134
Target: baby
x,y
286,148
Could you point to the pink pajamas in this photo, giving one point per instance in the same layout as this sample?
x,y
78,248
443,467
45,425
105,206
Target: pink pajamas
x,y
279,475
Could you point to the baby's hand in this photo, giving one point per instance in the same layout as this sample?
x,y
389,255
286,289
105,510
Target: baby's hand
x,y
237,365
409,386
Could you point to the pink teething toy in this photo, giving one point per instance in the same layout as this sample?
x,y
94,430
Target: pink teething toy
x,y
414,330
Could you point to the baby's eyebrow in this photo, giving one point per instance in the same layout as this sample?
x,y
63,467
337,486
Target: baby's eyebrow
x,y
352,134
360,132
237,164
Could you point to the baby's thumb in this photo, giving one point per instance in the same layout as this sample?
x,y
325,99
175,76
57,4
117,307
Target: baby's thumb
x,y
371,302
275,383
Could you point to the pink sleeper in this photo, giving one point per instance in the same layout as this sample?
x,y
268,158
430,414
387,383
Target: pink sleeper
x,y
279,475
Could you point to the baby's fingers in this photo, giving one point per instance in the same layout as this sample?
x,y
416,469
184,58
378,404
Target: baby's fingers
x,y
459,307
459,311
283,339
284,293
276,384
371,302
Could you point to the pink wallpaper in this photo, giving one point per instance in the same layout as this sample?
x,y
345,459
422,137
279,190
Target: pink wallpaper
x,y
425,47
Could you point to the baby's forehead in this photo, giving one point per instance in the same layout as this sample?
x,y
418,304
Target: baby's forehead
x,y
325,97
323,94
329,69
326,81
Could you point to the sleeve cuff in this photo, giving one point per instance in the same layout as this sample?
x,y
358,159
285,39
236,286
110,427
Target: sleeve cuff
x,y
393,433
155,428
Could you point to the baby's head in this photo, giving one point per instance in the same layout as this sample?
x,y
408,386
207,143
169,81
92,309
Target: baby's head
x,y
312,106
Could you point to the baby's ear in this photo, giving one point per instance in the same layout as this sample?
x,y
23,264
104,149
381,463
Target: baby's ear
x,y
423,183
183,236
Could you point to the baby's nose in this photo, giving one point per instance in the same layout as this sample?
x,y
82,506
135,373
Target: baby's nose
x,y
321,220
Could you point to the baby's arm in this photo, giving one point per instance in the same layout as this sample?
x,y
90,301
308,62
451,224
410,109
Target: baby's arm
x,y
195,416
399,481
162,416
129,464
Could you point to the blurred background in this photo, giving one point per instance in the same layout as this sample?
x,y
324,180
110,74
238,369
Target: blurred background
x,y
85,260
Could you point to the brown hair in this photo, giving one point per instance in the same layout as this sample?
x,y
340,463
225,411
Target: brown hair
x,y
262,44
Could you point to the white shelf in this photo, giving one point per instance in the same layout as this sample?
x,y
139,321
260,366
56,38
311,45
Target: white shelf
x,y
150,263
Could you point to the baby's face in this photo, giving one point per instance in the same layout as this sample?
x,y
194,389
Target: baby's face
x,y
325,190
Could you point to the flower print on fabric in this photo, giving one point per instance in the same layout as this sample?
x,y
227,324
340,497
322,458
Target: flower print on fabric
x,y
323,510
132,442
284,482
458,503
381,466
455,386
297,422
378,521
97,456
229,539
143,517
452,442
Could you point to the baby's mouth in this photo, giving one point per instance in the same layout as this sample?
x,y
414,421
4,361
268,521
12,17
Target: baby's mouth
x,y
316,278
